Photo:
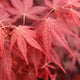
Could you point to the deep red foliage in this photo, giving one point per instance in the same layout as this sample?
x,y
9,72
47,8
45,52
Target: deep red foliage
x,y
38,40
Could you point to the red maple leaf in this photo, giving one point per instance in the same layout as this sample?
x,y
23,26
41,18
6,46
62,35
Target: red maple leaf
x,y
24,8
23,34
49,30
65,9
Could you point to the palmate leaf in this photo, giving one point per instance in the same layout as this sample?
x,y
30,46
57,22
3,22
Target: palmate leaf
x,y
52,76
73,12
63,7
23,34
56,32
47,68
24,8
58,9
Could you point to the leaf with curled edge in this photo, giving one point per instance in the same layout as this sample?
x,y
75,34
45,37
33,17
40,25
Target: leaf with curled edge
x,y
25,8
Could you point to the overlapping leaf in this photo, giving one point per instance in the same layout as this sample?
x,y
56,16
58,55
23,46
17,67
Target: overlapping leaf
x,y
56,32
64,8
24,8
46,70
23,34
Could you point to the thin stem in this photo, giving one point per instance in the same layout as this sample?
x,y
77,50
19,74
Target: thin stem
x,y
52,10
1,24
3,27
24,19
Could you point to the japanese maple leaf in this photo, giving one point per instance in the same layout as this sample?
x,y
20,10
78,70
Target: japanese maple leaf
x,y
23,34
57,7
46,70
48,75
73,12
24,8
47,66
49,30
63,7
